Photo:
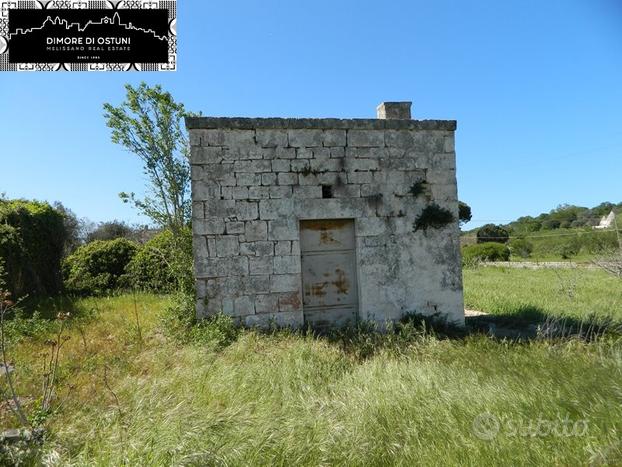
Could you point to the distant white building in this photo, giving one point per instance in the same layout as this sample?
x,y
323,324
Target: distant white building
x,y
606,222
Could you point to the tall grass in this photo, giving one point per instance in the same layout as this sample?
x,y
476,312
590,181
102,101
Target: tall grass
x,y
575,293
285,398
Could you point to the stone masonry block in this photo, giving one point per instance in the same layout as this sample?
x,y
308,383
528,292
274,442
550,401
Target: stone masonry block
x,y
280,165
304,153
210,226
334,138
238,138
450,145
290,302
258,192
248,179
336,153
244,306
198,210
285,283
275,208
246,210
235,227
260,264
292,320
399,138
256,230
300,165
278,192
283,229
310,179
239,192
220,208
347,191
271,138
360,177
362,164
252,166
267,303
321,153
286,264
227,245
255,284
283,248
305,138
328,178
221,267
371,226
285,153
329,165
259,248
269,179
296,248
307,192
287,178
206,155
366,138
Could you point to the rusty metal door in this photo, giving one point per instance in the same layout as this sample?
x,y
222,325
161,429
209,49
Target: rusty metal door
x,y
330,295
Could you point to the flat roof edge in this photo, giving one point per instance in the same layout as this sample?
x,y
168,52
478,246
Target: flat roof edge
x,y
240,123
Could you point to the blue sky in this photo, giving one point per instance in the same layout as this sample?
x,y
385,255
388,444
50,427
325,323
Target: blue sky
x,y
536,87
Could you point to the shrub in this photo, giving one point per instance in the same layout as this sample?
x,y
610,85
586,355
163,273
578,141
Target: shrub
x,y
492,233
521,247
164,263
433,216
179,321
32,239
488,251
464,212
568,248
99,267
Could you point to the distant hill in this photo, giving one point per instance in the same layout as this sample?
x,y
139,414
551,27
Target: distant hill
x,y
564,216
565,232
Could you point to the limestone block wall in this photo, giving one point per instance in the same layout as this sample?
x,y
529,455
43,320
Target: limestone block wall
x,y
254,179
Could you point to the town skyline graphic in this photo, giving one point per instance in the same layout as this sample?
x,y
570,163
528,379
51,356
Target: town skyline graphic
x,y
115,20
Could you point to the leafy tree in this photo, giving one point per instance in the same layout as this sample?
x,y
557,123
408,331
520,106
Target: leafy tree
x,y
492,233
464,212
521,247
490,251
149,123
98,267
110,231
75,228
32,241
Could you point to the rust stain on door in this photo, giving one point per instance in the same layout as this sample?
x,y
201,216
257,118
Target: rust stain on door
x,y
328,272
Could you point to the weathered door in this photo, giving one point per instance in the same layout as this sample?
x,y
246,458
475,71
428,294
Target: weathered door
x,y
330,296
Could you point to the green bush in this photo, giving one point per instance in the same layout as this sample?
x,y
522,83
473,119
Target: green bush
x,y
164,263
32,240
179,321
492,233
99,267
569,247
521,247
488,251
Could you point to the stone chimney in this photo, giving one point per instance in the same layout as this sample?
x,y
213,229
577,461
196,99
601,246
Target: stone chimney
x,y
394,110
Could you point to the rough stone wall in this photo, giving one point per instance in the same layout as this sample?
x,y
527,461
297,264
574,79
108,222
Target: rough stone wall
x,y
254,179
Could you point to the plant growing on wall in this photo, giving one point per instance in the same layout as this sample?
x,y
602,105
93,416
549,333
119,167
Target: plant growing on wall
x,y
149,124
433,216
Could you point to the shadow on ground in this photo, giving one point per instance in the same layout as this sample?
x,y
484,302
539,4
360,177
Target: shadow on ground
x,y
531,322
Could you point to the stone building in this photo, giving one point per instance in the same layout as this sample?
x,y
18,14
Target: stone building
x,y
302,222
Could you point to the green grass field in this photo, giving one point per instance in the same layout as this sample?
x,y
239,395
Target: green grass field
x,y
288,399
575,293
